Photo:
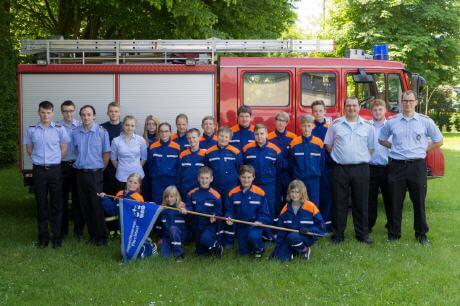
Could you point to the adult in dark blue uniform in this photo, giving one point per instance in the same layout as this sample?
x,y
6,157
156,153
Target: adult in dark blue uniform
x,y
46,144
411,133
114,128
92,146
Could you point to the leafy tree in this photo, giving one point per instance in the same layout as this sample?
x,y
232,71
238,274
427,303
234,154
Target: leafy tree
x,y
8,127
424,34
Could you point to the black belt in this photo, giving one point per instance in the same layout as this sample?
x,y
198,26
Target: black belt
x,y
353,165
67,162
378,166
89,170
47,167
406,161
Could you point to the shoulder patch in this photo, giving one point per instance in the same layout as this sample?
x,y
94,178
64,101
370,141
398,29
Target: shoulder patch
x,y
296,141
235,128
214,193
310,206
185,153
234,190
193,191
285,207
137,197
317,141
154,145
272,135
174,145
201,152
274,147
211,149
290,135
120,194
251,128
248,146
233,149
257,190
174,136
326,124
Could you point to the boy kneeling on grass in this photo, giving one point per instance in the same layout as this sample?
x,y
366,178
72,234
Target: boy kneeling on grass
x,y
302,215
132,192
247,202
207,200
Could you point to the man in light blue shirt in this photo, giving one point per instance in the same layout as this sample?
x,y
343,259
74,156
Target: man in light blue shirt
x,y
378,167
69,176
46,144
92,146
412,135
350,140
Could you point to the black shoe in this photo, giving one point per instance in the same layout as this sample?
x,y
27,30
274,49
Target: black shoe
x,y
392,238
101,242
57,244
365,240
41,244
336,239
423,240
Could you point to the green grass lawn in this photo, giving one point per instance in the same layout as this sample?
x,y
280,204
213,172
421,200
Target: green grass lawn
x,y
351,273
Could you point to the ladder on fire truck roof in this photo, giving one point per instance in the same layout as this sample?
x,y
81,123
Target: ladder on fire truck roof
x,y
60,51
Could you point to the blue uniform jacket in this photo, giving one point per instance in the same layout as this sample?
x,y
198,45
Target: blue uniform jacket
x,y
163,159
207,141
242,136
307,219
320,132
225,163
167,219
206,201
307,157
266,160
181,141
248,206
111,205
189,164
283,142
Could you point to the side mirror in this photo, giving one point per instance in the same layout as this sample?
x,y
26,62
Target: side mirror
x,y
418,85
363,77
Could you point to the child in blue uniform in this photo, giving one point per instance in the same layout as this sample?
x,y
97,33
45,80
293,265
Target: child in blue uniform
x,y
171,224
243,132
247,202
207,200
307,158
190,161
302,215
181,136
209,137
132,192
163,160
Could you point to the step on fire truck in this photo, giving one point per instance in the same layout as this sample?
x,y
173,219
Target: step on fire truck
x,y
167,77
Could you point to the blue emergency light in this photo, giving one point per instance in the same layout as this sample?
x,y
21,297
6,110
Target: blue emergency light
x,y
381,52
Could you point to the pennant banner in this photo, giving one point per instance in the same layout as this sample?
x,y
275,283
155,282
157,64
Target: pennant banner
x,y
136,222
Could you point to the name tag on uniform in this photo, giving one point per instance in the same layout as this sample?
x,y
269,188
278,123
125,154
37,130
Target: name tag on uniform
x,y
254,202
287,221
306,222
173,156
186,164
299,154
199,164
250,156
235,140
270,158
315,154
229,158
157,155
179,221
236,202
208,204
214,158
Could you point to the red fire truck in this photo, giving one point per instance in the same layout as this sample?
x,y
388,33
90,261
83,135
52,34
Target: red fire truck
x,y
167,77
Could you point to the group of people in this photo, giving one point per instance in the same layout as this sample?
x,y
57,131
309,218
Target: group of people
x,y
245,172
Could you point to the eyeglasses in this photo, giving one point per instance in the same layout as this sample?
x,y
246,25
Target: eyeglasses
x,y
280,120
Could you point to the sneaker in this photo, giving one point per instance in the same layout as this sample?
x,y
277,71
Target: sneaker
x,y
180,258
336,239
392,238
306,254
217,250
258,255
